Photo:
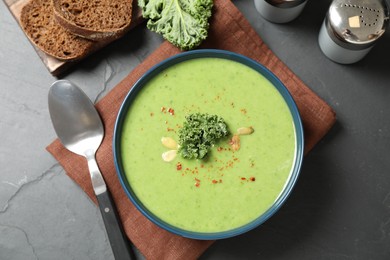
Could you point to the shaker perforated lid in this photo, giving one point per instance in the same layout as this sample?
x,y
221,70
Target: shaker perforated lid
x,y
356,24
285,3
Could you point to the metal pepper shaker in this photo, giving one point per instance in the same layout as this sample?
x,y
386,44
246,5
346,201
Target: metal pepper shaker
x,y
351,28
280,11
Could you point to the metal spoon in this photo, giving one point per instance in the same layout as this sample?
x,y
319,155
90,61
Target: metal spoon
x,y
80,129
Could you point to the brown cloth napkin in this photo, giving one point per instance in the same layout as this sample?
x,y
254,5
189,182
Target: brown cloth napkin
x,y
230,31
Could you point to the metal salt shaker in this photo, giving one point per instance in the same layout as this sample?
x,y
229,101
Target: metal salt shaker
x,y
351,28
280,11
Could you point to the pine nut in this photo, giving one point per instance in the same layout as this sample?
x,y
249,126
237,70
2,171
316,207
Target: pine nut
x,y
235,142
168,142
245,130
169,156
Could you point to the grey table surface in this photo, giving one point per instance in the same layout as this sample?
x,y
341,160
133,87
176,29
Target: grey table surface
x,y
339,209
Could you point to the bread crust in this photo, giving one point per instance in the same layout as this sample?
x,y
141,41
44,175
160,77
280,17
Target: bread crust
x,y
94,19
38,22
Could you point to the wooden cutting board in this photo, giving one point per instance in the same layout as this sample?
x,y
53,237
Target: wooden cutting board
x,y
55,66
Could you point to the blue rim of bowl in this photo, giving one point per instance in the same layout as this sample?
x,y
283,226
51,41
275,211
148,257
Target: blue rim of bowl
x,y
210,53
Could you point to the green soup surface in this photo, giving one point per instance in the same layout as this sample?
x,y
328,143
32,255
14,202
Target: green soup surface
x,y
228,188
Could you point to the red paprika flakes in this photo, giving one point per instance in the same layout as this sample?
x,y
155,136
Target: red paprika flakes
x,y
197,182
179,166
171,111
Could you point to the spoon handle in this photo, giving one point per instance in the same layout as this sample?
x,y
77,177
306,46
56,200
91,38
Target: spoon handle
x,y
119,243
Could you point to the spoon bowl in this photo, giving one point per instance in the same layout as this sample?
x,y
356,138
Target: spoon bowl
x,y
75,119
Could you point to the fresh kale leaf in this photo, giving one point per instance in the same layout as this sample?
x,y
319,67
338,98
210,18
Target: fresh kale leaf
x,y
199,133
184,23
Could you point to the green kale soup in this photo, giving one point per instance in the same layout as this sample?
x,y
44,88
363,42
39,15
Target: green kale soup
x,y
242,174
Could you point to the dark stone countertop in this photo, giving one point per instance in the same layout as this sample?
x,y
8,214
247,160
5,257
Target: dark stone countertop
x,y
339,209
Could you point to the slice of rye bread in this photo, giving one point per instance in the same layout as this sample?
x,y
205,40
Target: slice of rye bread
x,y
38,22
94,19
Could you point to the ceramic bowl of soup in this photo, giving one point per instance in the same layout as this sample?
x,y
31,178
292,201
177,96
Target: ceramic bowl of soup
x,y
245,177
